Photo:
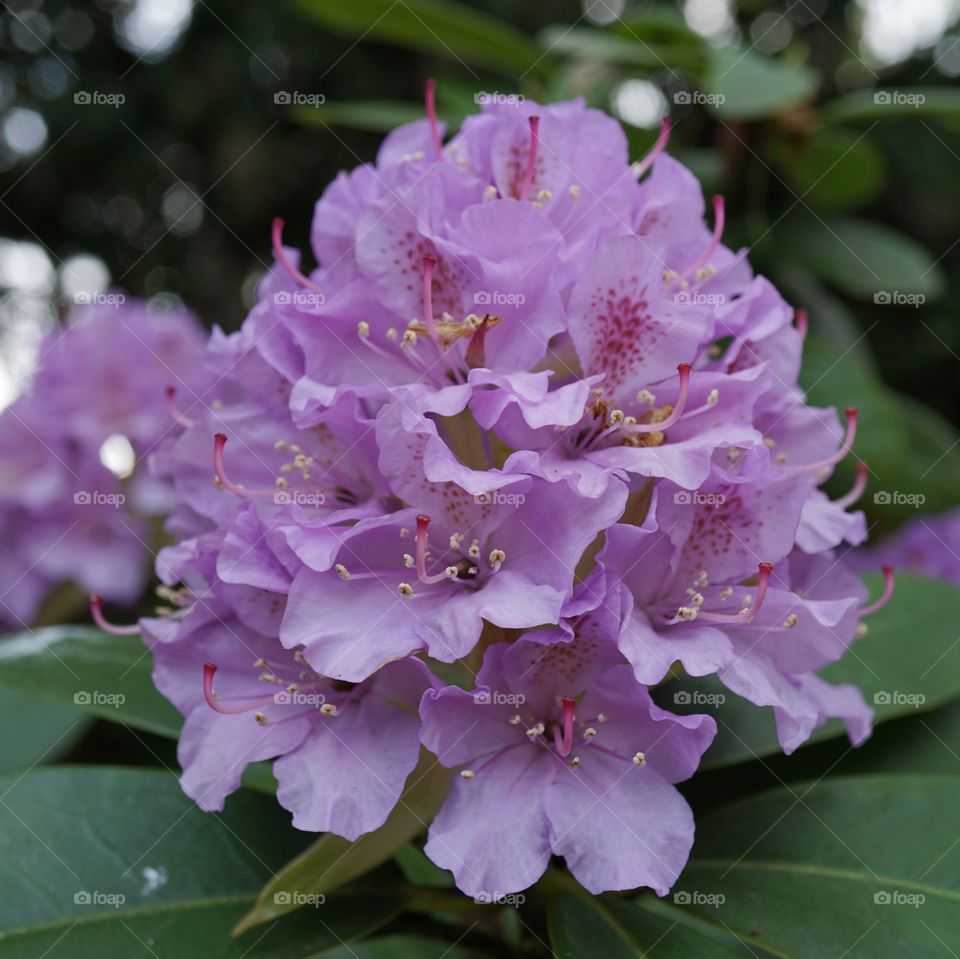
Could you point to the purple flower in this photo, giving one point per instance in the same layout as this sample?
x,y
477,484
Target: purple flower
x,y
561,753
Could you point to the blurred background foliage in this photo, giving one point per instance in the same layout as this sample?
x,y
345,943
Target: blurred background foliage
x,y
832,129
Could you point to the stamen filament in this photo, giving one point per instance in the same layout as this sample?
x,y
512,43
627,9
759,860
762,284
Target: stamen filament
x,y
213,702
663,138
420,552
430,101
859,485
429,262
219,441
844,449
683,369
800,315
527,181
719,218
179,418
96,611
884,596
748,612
282,259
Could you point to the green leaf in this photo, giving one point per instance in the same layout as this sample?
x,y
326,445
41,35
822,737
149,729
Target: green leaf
x,y
908,662
869,106
860,257
399,947
747,86
107,676
621,49
97,862
420,871
836,866
332,861
44,731
833,170
584,927
440,27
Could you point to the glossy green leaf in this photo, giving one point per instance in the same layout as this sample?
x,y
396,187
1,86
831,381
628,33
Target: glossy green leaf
x,y
620,49
107,676
440,27
97,862
44,730
860,257
602,927
332,861
744,85
398,947
870,106
908,662
833,170
866,866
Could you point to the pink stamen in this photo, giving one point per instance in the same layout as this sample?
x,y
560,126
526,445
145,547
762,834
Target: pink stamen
x,y
96,611
641,166
429,262
213,702
802,319
747,613
430,99
884,596
683,369
527,181
851,413
283,260
719,219
564,740
859,485
179,418
423,522
219,441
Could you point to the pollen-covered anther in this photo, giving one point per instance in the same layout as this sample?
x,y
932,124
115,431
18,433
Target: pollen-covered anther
x,y
497,557
574,190
467,774
455,540
342,571
669,276
861,630
298,656
363,329
409,338
261,718
574,762
536,730
328,709
702,579
713,397
601,717
769,442
726,592
616,417
408,561
589,732
688,613
790,621
451,572
639,759
696,600
405,590
489,192
474,550
281,445
515,719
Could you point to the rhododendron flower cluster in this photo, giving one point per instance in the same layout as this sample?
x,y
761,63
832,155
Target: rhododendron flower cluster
x,y
73,506
526,443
